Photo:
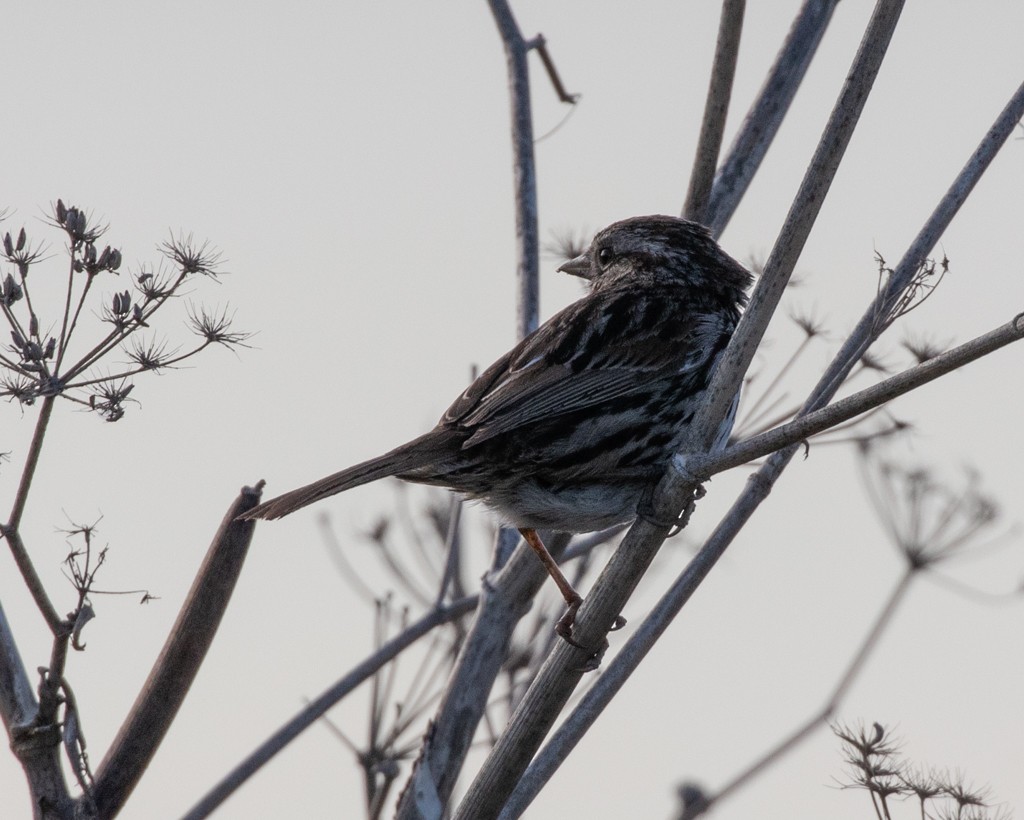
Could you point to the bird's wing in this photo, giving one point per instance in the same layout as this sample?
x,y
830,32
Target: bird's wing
x,y
604,347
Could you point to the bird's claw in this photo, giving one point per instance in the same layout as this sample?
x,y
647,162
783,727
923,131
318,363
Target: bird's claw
x,y
564,630
564,626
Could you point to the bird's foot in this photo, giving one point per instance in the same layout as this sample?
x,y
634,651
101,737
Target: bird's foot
x,y
564,630
564,626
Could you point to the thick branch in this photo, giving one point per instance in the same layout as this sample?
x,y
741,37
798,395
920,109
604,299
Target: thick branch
x,y
183,653
716,108
36,746
799,221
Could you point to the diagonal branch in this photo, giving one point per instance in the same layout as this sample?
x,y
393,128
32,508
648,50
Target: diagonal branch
x,y
505,599
706,465
541,46
835,697
174,671
11,533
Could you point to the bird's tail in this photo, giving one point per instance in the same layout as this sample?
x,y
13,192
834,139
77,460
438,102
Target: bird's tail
x,y
417,453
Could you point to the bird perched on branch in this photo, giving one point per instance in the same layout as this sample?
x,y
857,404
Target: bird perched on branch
x,y
570,428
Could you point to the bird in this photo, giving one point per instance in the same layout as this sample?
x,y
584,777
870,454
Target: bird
x,y
571,427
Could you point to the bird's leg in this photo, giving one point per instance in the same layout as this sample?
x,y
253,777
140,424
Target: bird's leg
x,y
572,598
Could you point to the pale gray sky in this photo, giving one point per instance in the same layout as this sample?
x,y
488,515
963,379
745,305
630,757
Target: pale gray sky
x,y
352,162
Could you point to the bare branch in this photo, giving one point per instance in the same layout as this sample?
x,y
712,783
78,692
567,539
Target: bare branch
x,y
171,677
541,46
523,167
767,112
17,701
821,717
707,464
505,598
716,108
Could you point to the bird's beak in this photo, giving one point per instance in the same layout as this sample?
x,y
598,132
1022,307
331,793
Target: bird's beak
x,y
579,266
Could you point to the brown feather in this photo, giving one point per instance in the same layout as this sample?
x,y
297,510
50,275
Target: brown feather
x,y
420,452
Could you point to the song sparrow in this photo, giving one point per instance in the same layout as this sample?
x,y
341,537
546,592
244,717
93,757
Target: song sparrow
x,y
568,429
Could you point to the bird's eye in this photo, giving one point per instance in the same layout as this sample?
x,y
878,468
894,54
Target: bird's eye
x,y
605,256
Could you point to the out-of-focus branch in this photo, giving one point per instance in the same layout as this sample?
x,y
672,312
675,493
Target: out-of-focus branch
x,y
505,599
561,672
164,691
820,717
767,112
716,108
17,701
316,709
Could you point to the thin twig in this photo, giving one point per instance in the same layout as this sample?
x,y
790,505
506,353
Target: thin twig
x,y
821,717
541,46
452,544
119,334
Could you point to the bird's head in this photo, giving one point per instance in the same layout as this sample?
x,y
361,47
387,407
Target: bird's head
x,y
660,250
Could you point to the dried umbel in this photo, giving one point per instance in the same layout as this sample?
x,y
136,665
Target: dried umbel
x,y
53,353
